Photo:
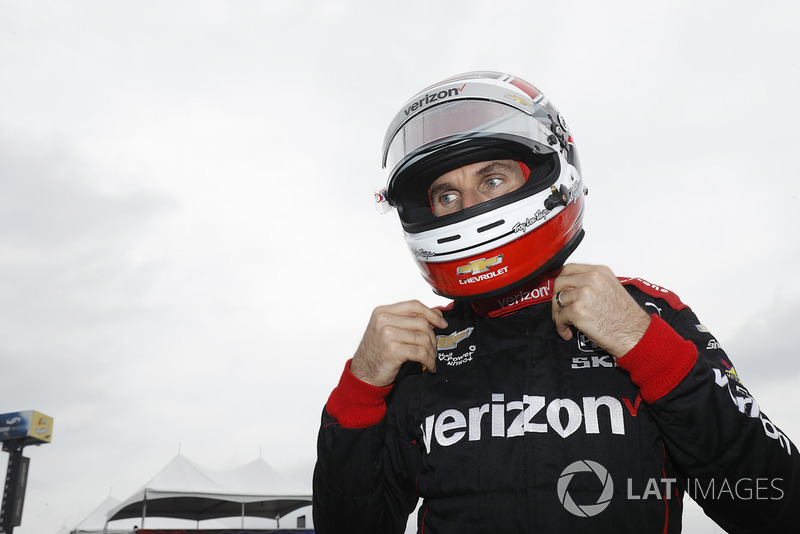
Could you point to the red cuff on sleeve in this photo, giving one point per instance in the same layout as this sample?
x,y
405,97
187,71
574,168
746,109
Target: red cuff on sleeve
x,y
356,404
660,360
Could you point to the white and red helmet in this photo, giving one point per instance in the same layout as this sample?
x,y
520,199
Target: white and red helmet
x,y
492,247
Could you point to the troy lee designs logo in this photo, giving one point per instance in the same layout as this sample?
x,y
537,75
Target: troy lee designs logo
x,y
422,253
523,226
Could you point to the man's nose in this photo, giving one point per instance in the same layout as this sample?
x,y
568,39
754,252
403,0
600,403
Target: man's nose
x,y
470,198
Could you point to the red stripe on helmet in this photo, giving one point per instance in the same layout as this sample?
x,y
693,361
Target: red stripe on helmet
x,y
520,258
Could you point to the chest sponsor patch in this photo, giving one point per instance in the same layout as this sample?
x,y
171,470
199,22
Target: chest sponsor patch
x,y
451,341
530,414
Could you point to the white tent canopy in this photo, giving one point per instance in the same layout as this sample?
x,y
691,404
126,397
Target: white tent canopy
x,y
186,490
96,520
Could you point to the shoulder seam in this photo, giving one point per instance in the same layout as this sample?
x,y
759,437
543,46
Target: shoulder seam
x,y
654,290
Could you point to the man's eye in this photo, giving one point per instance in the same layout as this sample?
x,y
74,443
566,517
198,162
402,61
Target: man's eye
x,y
494,182
447,198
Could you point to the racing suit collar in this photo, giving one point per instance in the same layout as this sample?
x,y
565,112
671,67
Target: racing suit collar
x,y
536,291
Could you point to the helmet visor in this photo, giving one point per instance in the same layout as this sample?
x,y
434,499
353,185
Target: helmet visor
x,y
465,118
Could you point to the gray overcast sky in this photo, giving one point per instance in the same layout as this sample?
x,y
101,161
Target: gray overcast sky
x,y
188,248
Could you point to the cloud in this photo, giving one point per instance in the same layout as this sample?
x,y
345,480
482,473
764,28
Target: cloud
x,y
68,249
765,350
48,198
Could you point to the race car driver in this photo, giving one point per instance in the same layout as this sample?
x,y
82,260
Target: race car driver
x,y
547,397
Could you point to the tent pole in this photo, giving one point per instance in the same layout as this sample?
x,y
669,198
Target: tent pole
x,y
144,507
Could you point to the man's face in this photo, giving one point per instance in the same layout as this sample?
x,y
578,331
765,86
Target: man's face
x,y
474,184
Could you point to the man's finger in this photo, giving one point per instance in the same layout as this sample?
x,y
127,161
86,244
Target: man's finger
x,y
415,307
410,333
562,321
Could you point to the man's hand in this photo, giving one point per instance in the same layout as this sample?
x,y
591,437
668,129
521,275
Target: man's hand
x,y
396,334
593,300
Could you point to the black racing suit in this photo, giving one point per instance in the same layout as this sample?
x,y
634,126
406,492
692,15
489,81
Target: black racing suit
x,y
520,431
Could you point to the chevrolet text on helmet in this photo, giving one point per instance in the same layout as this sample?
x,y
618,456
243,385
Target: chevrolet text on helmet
x,y
494,246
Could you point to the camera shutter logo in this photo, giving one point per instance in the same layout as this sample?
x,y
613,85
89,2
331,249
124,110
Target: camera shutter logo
x,y
585,510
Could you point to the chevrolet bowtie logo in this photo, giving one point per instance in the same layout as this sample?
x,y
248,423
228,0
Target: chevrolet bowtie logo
x,y
450,342
480,266
520,100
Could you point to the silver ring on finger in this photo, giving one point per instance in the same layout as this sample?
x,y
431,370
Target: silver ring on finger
x,y
558,299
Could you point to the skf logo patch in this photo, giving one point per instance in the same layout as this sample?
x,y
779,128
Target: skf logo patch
x,y
480,266
451,341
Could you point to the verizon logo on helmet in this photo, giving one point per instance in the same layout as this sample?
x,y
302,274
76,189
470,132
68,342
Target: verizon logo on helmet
x,y
433,97
532,414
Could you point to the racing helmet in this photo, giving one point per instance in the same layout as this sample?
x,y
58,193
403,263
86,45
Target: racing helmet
x,y
490,248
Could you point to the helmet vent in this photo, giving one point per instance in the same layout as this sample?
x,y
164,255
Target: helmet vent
x,y
491,225
448,239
